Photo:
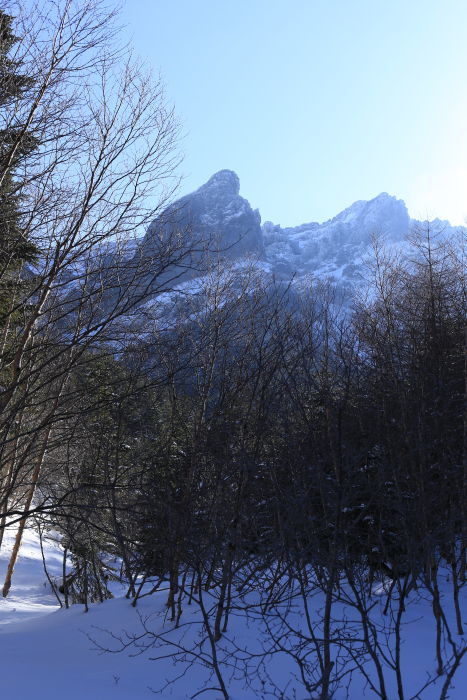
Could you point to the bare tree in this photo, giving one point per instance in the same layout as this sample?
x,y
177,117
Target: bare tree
x,y
104,165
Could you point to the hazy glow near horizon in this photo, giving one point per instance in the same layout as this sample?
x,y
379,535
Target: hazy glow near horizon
x,y
441,194
317,103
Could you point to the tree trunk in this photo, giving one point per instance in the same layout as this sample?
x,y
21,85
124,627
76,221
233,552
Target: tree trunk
x,y
22,524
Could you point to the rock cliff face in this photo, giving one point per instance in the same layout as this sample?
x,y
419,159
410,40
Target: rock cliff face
x,y
215,216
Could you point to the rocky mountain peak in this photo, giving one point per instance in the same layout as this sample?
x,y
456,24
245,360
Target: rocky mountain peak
x,y
213,215
225,182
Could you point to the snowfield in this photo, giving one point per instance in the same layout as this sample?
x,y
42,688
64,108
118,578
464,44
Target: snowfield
x,y
50,653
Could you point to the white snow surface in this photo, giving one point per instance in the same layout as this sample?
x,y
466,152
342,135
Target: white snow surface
x,y
49,654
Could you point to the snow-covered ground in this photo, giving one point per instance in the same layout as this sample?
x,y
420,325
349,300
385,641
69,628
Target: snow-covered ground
x,y
46,653
49,653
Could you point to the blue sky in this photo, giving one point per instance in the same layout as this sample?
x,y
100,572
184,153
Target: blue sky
x,y
317,103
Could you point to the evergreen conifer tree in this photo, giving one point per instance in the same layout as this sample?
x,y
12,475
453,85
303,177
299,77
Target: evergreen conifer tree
x,y
15,145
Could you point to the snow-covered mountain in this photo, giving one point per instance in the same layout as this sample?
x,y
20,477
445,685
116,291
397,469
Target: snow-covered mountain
x,y
336,246
217,213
